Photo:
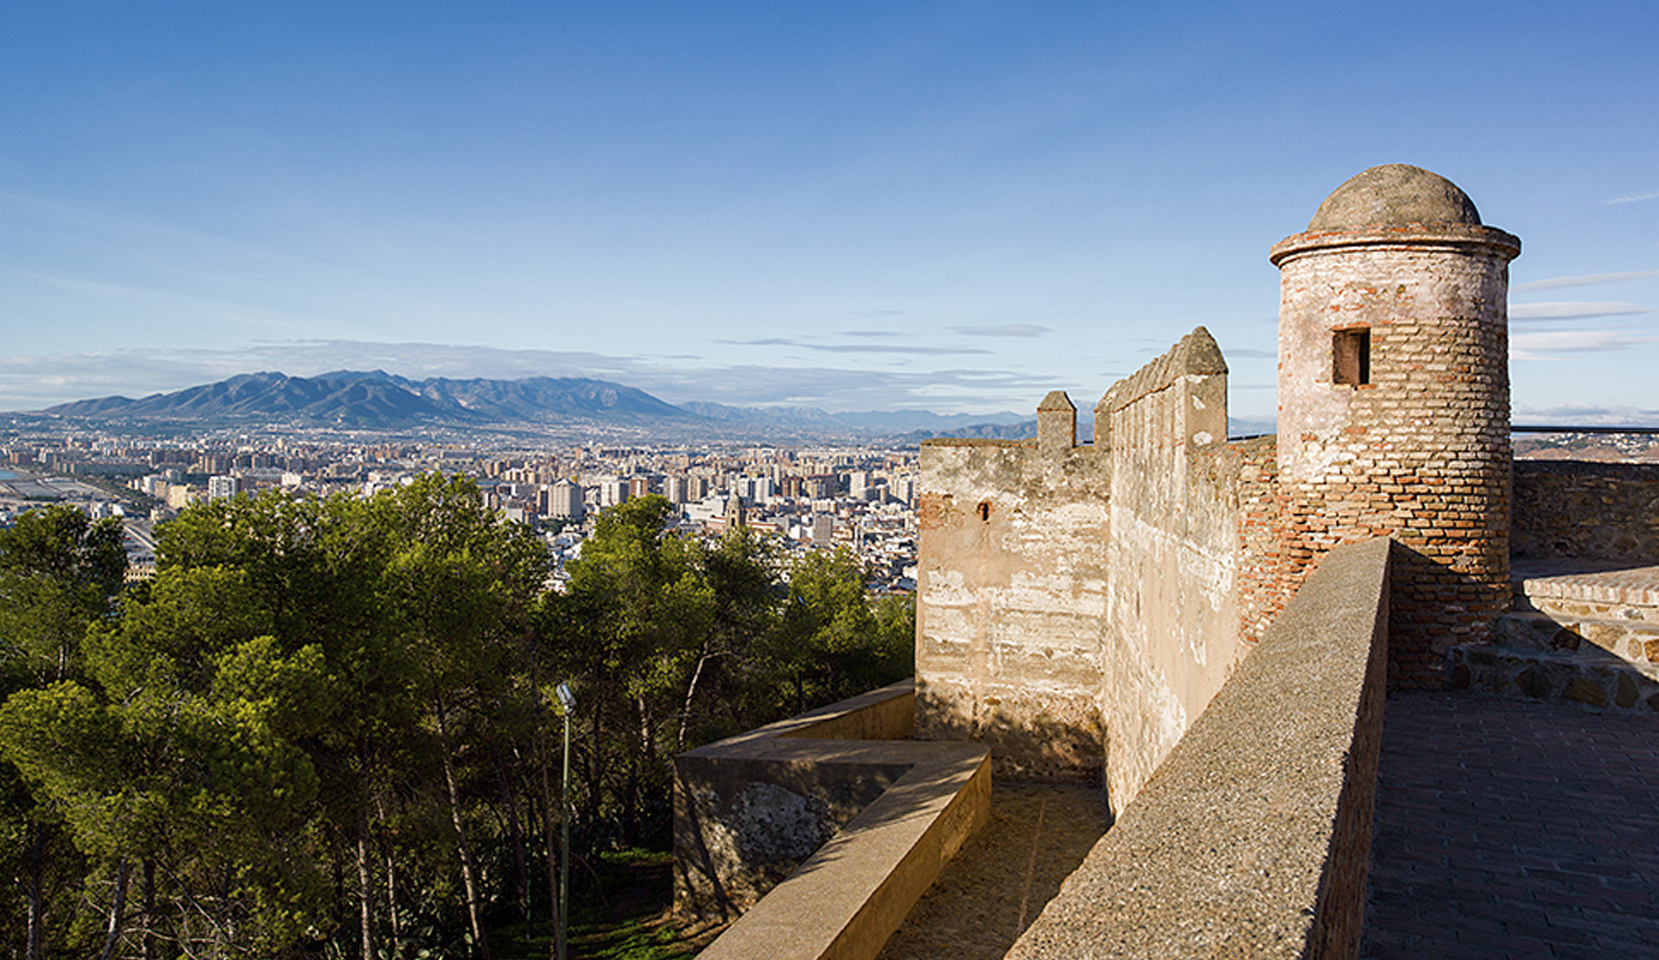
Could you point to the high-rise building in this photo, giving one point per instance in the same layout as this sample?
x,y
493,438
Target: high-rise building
x,y
221,487
564,501
613,492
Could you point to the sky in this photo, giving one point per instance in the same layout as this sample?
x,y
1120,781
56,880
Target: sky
x,y
854,206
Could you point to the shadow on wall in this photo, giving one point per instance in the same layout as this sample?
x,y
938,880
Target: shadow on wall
x,y
1428,601
1027,743
1582,510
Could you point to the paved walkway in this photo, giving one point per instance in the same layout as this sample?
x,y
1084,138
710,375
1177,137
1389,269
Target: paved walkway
x,y
1511,829
1004,876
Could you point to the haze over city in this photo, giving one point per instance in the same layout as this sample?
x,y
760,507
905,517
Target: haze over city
x,y
955,207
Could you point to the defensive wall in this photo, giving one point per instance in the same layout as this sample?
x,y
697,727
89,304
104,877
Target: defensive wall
x,y
1134,574
1206,627
1568,509
823,830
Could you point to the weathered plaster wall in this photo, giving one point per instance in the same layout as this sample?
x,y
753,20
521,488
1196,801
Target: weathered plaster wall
x,y
1577,509
1171,636
1078,605
1010,598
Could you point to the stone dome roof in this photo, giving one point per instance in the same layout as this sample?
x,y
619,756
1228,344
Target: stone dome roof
x,y
1394,194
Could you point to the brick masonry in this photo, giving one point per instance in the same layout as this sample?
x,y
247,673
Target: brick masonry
x,y
1421,452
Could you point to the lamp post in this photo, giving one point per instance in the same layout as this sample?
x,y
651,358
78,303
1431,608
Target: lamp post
x,y
567,705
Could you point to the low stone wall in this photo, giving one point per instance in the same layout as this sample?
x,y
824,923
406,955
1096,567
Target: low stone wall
x,y
1252,839
1584,509
859,827
750,809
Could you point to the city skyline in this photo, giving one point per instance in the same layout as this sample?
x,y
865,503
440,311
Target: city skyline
x,y
947,207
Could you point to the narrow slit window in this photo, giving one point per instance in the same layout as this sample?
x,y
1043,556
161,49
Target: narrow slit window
x,y
1351,350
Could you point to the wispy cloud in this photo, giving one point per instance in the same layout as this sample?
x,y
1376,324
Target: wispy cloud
x,y
1585,280
1005,330
896,348
1540,345
1573,310
869,333
33,382
1634,197
1245,352
1586,415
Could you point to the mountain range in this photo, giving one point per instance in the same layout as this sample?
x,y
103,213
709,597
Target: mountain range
x,y
377,400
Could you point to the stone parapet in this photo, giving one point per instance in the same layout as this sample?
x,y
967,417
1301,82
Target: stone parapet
x,y
1253,837
840,836
1583,509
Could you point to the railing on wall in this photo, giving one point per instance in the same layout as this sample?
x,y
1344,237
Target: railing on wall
x,y
1534,428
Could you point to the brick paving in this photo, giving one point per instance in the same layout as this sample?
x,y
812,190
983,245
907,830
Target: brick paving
x,y
1513,829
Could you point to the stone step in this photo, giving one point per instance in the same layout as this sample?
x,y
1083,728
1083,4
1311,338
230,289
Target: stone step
x,y
1636,641
1571,608
1589,675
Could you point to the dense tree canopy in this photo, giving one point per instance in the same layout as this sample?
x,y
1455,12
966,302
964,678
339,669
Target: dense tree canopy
x,y
326,724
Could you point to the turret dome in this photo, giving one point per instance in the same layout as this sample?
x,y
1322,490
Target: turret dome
x,y
1394,194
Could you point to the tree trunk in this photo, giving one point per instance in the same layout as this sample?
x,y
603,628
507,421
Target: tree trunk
x,y
391,899
37,898
469,870
117,911
365,885
690,692
515,832
149,936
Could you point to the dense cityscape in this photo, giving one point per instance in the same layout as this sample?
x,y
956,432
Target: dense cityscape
x,y
859,497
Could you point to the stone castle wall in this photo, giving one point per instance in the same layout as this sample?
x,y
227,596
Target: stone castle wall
x,y
1170,636
1573,509
1011,588
1107,592
1271,562
1078,605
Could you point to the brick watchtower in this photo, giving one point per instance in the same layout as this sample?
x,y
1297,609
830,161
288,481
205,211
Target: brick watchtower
x,y
1394,400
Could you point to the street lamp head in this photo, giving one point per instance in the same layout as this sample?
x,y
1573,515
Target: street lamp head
x,y
566,698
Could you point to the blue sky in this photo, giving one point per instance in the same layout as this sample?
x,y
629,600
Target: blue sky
x,y
954,206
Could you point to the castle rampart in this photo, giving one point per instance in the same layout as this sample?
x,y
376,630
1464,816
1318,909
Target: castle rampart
x,y
1104,593
1170,636
1067,591
1092,612
1013,569
1576,509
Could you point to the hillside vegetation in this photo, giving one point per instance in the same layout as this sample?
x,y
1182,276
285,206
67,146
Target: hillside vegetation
x,y
327,727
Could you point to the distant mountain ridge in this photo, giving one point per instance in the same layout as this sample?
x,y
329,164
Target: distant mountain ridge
x,y
377,400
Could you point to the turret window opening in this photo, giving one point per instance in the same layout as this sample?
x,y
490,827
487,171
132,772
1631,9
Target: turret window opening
x,y
1351,353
